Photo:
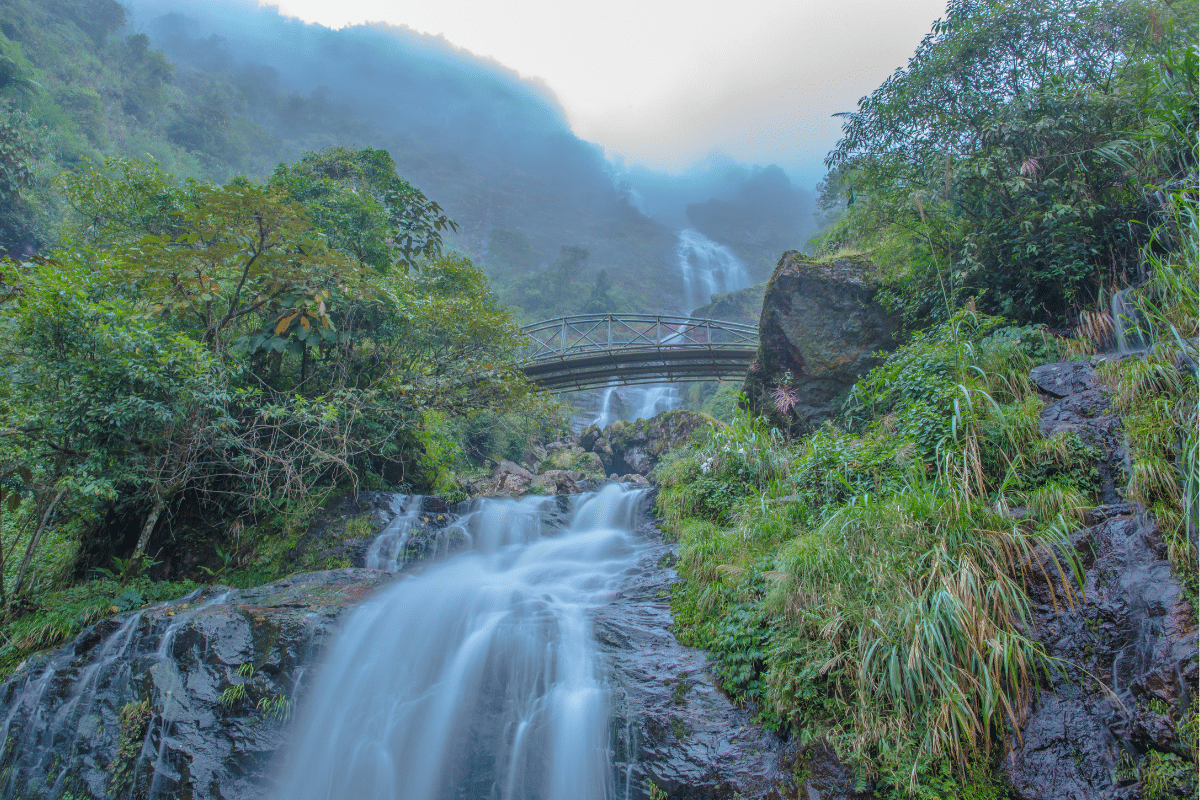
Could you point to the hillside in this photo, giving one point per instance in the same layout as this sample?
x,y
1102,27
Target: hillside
x,y
213,90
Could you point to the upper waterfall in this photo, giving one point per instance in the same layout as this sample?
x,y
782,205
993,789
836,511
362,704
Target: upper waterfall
x,y
707,268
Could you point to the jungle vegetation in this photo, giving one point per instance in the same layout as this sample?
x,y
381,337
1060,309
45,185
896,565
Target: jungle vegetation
x,y
864,584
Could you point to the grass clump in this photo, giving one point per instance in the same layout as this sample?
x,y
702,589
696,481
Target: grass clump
x,y
865,585
134,720
62,614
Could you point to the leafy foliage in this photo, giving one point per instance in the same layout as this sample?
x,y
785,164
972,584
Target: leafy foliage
x,y
365,209
206,351
984,168
866,584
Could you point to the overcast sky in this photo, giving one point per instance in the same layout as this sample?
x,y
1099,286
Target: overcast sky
x,y
665,82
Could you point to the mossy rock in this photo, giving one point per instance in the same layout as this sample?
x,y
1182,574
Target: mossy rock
x,y
573,461
635,447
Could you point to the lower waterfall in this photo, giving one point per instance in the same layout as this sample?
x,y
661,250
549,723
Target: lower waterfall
x,y
478,677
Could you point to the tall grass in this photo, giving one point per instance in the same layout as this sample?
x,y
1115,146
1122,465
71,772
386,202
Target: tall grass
x,y
1157,394
866,584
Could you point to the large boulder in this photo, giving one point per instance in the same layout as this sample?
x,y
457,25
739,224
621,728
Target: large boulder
x,y
634,448
821,329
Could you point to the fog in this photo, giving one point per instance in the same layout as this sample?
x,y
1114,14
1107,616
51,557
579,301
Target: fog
x,y
495,149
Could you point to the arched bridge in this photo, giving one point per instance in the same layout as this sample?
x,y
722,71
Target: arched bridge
x,y
591,350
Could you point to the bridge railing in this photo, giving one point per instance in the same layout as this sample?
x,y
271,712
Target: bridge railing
x,y
571,337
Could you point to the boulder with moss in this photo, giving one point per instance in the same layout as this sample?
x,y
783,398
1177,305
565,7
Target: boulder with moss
x,y
633,448
822,327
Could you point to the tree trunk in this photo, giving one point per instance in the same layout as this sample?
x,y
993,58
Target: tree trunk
x,y
33,542
160,503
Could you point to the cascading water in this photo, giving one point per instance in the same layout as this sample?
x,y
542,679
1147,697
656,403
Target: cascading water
x,y
656,399
479,677
53,719
634,402
606,415
1126,324
707,268
387,551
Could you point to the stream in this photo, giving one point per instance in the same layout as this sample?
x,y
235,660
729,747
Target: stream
x,y
509,650
479,677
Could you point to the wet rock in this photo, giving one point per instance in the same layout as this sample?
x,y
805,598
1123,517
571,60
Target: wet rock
x,y
1063,379
820,330
200,737
1129,653
1126,638
637,446
511,479
559,481
1084,408
638,460
671,725
533,457
603,449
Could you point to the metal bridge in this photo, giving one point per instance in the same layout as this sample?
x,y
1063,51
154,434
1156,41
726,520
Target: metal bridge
x,y
592,350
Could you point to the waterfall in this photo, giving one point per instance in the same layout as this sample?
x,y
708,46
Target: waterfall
x,y
388,549
606,415
656,399
707,268
633,403
1126,324
479,677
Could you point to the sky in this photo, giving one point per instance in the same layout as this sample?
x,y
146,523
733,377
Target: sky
x,y
665,83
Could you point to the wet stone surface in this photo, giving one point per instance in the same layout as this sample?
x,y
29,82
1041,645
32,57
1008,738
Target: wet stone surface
x,y
671,725
1127,643
1129,656
198,737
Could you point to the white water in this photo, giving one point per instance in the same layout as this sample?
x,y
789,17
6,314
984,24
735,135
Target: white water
x,y
606,416
387,550
707,268
478,678
633,403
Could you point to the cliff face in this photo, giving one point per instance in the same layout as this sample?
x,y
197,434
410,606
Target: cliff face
x,y
820,328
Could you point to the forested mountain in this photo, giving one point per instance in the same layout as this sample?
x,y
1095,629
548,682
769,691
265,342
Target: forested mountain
x,y
211,90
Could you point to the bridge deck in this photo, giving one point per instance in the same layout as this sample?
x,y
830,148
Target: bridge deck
x,y
588,351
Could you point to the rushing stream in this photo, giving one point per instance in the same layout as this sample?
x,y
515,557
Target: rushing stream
x,y
478,677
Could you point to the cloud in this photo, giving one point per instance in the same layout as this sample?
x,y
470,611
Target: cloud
x,y
663,82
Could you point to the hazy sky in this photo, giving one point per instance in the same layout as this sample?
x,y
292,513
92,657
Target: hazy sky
x,y
665,82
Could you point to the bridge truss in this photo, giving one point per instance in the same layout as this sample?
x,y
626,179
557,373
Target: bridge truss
x,y
592,350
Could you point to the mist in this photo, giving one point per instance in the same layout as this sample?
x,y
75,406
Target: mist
x,y
494,149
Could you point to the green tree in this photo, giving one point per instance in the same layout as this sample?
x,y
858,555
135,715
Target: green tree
x,y
207,346
365,209
600,299
981,167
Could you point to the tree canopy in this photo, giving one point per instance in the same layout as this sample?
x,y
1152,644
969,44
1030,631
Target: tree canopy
x,y
985,167
199,345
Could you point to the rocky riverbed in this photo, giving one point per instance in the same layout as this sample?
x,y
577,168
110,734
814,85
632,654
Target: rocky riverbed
x,y
192,698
